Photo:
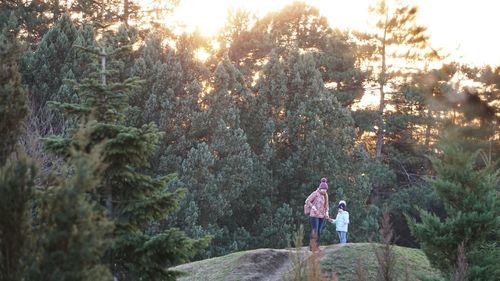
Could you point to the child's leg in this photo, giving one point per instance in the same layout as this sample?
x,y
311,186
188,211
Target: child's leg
x,y
343,237
339,233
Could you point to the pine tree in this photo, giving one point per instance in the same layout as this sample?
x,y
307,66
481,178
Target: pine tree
x,y
33,18
313,134
13,99
169,96
101,12
473,108
16,177
145,68
222,140
16,196
132,198
42,69
398,40
306,134
219,170
73,231
469,194
56,58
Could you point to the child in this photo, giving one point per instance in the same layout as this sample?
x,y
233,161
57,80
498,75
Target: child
x,y
341,222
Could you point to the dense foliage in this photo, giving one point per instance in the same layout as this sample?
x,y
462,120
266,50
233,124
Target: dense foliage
x,y
469,195
167,157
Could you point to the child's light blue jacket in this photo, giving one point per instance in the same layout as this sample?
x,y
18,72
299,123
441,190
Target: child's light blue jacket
x,y
341,221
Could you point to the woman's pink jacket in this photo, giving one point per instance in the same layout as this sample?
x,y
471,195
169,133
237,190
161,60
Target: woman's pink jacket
x,y
317,200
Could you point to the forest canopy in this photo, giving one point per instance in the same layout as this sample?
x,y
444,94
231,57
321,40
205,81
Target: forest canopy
x,y
128,147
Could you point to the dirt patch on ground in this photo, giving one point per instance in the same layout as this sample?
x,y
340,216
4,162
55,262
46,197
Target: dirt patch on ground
x,y
262,265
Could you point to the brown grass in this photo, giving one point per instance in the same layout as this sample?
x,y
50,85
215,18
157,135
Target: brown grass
x,y
460,272
385,254
307,268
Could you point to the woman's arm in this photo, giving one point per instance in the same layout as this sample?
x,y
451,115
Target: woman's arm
x,y
310,200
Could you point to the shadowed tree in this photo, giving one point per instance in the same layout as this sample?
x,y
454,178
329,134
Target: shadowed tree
x,y
399,43
56,58
470,195
73,232
220,138
16,177
17,189
251,42
13,101
132,198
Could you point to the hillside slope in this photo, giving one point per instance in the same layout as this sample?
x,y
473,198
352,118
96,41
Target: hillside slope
x,y
278,264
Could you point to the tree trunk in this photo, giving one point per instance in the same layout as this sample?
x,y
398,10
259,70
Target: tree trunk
x,y
380,130
428,128
125,12
103,66
107,190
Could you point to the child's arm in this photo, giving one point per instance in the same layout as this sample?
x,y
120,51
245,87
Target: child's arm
x,y
346,218
335,220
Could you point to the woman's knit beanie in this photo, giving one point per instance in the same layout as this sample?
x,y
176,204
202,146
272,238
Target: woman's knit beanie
x,y
323,184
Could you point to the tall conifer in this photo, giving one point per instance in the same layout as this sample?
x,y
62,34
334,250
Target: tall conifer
x,y
132,198
16,177
13,99
73,233
470,196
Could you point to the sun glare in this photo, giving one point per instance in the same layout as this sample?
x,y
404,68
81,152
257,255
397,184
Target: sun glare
x,y
202,55
461,29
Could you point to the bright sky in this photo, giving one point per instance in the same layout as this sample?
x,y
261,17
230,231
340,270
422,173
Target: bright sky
x,y
465,29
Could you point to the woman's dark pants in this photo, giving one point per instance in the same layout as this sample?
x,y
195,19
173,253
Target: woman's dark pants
x,y
316,228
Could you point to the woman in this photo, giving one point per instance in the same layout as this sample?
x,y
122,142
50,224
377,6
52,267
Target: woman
x,y
316,206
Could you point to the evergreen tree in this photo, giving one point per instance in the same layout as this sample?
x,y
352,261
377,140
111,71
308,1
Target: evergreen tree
x,y
398,40
306,134
16,177
470,196
219,171
101,12
34,18
301,26
73,232
16,195
132,198
13,99
130,11
122,62
150,53
309,126
474,109
169,96
43,69
56,58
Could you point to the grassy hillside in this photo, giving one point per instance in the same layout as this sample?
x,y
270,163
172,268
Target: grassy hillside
x,y
274,264
411,264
